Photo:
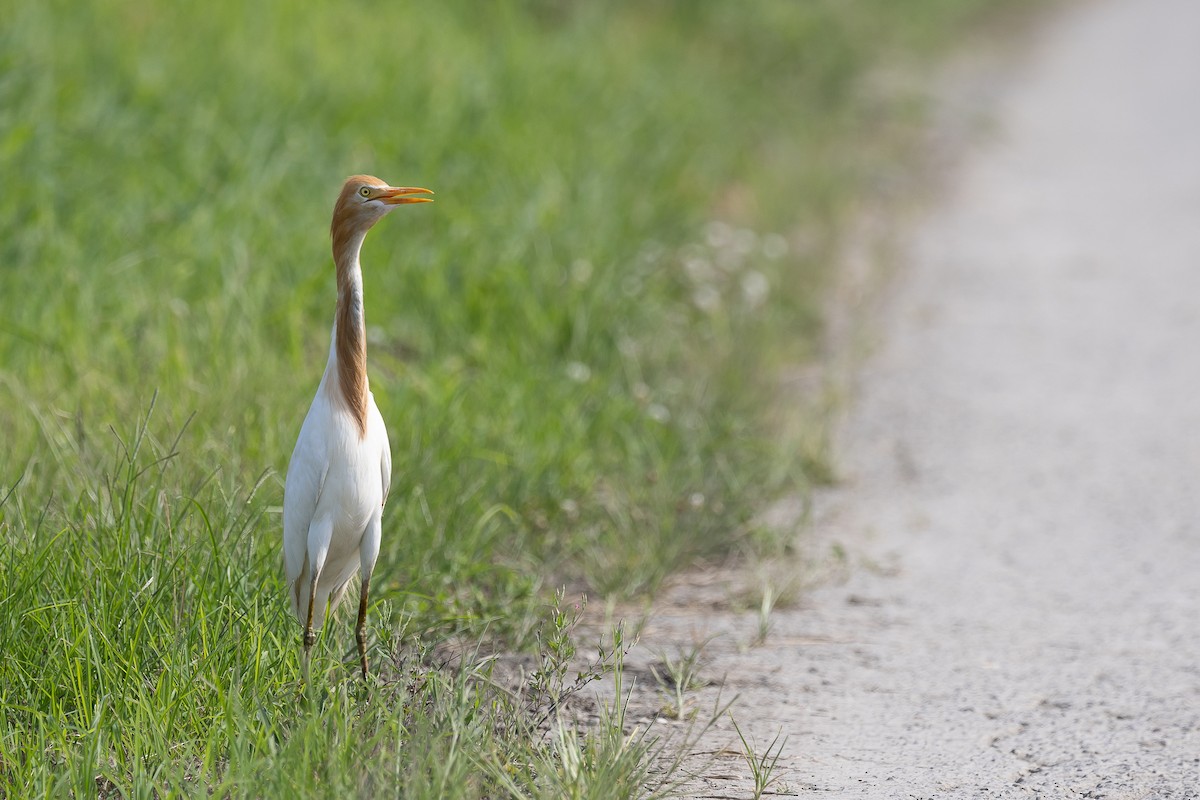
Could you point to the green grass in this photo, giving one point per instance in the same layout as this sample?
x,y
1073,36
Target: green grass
x,y
572,348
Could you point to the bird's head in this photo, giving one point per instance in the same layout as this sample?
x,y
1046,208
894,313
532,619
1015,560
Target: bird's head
x,y
366,199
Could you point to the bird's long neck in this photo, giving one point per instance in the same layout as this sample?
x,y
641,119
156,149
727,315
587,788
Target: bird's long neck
x,y
349,333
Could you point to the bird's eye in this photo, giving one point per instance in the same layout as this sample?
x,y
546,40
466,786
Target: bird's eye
x,y
365,191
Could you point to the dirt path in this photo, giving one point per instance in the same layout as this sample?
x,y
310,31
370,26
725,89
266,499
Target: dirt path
x,y
1022,461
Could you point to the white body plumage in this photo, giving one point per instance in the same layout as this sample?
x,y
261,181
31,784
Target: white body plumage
x,y
337,483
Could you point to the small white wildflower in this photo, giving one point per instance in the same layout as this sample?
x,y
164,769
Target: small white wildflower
x,y
755,288
658,412
774,246
706,298
579,372
696,500
581,270
717,234
570,508
698,270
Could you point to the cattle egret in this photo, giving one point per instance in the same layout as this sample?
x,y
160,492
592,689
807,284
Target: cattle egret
x,y
338,477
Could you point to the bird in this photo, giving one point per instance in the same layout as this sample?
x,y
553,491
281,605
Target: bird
x,y
340,470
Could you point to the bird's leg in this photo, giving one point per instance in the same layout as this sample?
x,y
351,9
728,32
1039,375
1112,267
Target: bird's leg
x,y
368,552
360,630
310,636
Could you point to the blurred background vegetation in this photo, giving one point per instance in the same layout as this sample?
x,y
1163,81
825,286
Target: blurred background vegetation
x,y
574,348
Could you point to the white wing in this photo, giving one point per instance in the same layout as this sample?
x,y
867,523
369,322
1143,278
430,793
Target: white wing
x,y
305,479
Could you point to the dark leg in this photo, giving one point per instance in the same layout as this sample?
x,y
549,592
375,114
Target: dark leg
x,y
310,635
360,631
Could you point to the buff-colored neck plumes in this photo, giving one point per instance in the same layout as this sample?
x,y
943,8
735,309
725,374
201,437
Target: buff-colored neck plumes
x,y
350,336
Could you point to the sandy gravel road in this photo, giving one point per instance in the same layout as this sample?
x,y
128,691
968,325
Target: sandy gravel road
x,y
1022,462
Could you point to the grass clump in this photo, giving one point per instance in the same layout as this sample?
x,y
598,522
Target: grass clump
x,y
635,205
152,657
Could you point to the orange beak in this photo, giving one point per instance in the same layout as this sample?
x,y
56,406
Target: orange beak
x,y
395,195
